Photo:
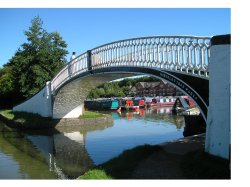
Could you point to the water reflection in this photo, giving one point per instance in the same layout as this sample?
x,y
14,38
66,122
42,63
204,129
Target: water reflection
x,y
45,154
67,152
22,160
154,115
132,129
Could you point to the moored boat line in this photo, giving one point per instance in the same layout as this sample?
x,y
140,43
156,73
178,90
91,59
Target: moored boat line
x,y
178,104
160,101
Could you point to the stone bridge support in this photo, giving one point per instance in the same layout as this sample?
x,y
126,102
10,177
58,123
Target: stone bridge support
x,y
218,138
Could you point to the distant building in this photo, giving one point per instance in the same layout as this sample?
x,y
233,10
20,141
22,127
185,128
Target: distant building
x,y
154,89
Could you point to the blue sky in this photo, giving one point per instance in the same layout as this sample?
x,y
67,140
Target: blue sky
x,y
86,28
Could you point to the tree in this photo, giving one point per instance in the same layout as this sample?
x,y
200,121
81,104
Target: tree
x,y
39,59
35,62
6,87
119,88
100,92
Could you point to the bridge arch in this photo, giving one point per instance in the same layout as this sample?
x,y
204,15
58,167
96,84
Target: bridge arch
x,y
181,60
72,93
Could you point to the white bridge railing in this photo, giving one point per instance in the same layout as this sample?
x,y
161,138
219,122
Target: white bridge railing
x,y
184,54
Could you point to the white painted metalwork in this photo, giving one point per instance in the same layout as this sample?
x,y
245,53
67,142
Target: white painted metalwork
x,y
183,54
73,68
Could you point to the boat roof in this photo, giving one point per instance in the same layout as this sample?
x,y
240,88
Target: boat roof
x,y
183,102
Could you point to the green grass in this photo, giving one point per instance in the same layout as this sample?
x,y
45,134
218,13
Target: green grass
x,y
122,166
95,174
8,114
90,114
200,165
26,120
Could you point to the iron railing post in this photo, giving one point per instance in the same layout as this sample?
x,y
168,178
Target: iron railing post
x,y
89,60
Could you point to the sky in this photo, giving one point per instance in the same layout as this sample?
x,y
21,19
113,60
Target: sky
x,y
86,28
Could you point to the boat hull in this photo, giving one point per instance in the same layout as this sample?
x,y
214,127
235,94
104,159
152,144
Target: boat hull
x,y
102,105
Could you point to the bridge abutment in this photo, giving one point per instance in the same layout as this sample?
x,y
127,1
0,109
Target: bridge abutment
x,y
218,138
40,103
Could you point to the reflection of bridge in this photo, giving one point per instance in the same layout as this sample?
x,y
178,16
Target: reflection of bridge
x,y
58,153
181,60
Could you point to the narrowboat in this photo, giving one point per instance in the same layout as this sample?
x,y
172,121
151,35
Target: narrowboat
x,y
160,102
182,104
102,104
132,104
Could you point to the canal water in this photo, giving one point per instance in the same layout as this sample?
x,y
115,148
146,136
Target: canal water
x,y
67,152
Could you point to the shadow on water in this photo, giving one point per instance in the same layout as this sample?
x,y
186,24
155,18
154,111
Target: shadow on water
x,y
194,125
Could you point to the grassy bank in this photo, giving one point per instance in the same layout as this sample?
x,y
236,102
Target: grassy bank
x,y
95,174
90,114
25,120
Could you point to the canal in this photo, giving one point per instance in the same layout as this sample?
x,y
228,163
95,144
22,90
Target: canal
x,y
67,152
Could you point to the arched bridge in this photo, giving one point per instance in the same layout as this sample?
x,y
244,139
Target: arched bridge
x,y
181,60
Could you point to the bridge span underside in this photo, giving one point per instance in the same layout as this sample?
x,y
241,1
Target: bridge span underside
x,y
68,100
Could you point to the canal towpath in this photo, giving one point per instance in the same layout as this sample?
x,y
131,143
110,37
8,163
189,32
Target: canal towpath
x,y
166,163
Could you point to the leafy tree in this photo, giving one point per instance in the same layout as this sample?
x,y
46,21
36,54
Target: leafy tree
x,y
40,58
37,61
6,87
100,92
93,95
119,88
6,83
